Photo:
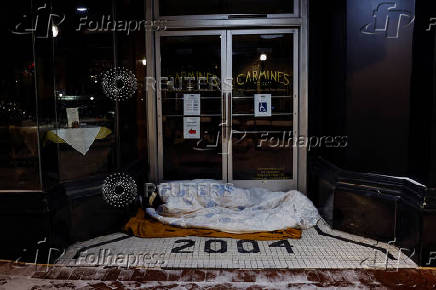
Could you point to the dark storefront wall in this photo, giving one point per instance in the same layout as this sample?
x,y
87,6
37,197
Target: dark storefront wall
x,y
375,87
379,68
422,153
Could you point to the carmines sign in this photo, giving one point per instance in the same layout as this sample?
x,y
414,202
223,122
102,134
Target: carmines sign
x,y
275,76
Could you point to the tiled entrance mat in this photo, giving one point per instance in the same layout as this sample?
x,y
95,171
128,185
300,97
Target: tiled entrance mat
x,y
319,248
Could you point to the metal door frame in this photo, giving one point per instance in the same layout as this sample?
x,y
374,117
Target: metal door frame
x,y
160,34
226,103
276,185
295,14
300,23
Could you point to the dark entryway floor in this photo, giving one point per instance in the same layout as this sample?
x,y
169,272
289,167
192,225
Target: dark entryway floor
x,y
17,276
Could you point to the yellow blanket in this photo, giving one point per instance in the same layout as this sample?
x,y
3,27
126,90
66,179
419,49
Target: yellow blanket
x,y
147,227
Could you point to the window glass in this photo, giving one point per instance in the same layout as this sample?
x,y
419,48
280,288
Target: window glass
x,y
88,132
81,139
262,145
191,65
131,54
195,7
19,159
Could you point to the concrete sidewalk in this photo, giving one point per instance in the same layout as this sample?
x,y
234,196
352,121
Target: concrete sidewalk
x,y
19,276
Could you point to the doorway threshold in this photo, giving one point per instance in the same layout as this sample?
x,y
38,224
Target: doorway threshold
x,y
319,248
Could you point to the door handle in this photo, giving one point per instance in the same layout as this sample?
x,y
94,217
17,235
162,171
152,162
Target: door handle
x,y
226,122
224,116
226,110
223,109
229,117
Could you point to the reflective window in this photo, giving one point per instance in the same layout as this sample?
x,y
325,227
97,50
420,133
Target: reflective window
x,y
262,145
19,160
186,62
54,88
81,141
195,7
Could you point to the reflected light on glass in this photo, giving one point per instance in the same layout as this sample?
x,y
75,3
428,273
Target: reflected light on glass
x,y
263,57
54,30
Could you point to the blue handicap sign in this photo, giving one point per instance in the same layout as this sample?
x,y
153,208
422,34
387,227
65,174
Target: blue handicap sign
x,y
263,107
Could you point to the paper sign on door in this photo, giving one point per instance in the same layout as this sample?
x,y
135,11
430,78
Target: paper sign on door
x,y
191,127
72,116
262,105
191,104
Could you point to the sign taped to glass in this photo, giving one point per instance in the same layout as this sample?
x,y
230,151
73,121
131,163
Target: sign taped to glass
x,y
191,104
191,127
262,105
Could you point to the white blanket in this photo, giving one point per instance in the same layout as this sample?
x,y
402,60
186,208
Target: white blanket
x,y
215,205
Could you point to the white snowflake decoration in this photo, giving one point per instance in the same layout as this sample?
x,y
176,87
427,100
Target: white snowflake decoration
x,y
119,190
119,84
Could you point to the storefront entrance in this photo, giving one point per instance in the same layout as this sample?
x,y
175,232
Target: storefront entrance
x,y
226,105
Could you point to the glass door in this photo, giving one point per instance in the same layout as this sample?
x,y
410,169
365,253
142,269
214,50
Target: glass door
x,y
190,69
227,106
263,108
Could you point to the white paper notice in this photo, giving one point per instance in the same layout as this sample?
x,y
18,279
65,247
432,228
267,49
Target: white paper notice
x,y
191,127
72,116
191,104
262,105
